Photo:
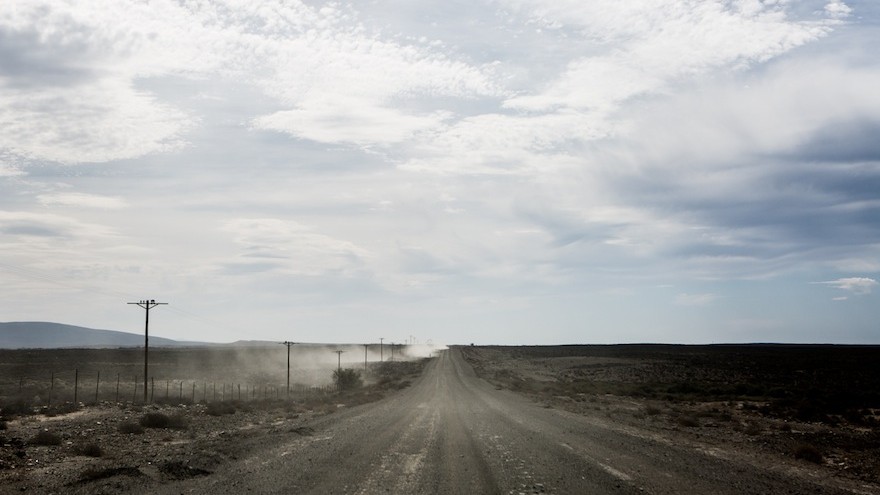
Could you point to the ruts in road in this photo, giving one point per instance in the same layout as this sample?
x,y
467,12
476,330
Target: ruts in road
x,y
451,432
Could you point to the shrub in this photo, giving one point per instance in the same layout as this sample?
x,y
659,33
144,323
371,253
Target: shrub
x,y
651,410
130,428
808,453
753,429
46,437
16,408
90,450
159,420
220,408
688,421
347,379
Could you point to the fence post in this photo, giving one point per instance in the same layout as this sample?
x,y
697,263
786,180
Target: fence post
x,y
97,386
134,394
180,394
166,389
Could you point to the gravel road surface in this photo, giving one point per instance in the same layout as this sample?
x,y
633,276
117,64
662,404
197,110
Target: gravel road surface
x,y
451,432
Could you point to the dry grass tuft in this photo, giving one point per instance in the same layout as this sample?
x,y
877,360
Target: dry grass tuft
x,y
220,409
129,427
89,450
45,437
688,421
159,420
808,452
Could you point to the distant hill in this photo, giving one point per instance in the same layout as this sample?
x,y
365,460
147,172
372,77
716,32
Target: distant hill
x,y
45,335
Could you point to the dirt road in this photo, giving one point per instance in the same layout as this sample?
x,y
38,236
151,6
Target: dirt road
x,y
451,432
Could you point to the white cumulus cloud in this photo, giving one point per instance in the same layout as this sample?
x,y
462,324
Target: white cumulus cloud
x,y
857,285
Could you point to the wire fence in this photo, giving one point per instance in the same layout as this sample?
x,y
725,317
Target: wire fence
x,y
94,387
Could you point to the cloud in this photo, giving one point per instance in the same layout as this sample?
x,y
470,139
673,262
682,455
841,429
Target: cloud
x,y
26,224
7,170
657,43
838,9
860,286
638,51
82,200
347,120
290,247
70,85
80,77
791,110
345,86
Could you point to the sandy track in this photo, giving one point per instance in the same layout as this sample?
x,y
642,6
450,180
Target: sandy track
x,y
451,432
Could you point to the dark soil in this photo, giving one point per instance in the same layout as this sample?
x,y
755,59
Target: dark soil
x,y
116,447
817,403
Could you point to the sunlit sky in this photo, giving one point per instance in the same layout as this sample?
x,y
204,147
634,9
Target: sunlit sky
x,y
510,171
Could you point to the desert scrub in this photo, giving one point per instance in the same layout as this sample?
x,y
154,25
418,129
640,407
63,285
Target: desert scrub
x,y
347,379
89,450
45,437
16,408
808,452
752,429
687,421
220,408
159,420
652,410
129,427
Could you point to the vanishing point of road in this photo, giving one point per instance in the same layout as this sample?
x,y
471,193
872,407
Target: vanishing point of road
x,y
451,432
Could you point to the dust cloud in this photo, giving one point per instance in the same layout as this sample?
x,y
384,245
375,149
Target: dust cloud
x,y
310,364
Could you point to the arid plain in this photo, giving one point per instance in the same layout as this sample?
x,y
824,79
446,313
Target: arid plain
x,y
563,419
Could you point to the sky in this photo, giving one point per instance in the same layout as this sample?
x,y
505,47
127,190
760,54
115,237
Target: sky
x,y
481,171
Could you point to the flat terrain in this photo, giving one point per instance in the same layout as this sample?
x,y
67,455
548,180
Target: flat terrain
x,y
448,432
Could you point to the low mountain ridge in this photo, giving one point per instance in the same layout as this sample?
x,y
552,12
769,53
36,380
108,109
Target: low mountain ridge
x,y
47,335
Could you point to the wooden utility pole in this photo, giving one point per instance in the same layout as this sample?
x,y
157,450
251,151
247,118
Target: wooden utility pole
x,y
147,305
338,361
365,357
288,344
